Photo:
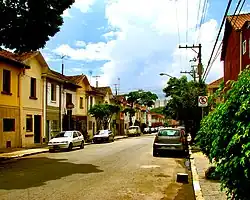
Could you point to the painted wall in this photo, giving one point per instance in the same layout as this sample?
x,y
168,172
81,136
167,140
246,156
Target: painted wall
x,y
73,101
11,100
246,56
31,106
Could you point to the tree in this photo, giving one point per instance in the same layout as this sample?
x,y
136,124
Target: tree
x,y
26,25
141,97
183,103
159,110
103,113
224,136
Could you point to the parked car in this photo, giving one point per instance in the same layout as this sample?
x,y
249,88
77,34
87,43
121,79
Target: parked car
x,y
169,139
134,131
66,140
103,136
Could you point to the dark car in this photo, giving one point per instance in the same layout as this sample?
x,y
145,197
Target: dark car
x,y
169,139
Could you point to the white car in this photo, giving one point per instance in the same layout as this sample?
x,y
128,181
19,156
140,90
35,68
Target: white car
x,y
66,140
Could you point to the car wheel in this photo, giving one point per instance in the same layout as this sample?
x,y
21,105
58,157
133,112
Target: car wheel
x,y
51,150
70,146
113,139
82,145
155,153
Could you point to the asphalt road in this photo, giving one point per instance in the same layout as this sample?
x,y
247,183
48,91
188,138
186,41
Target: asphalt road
x,y
122,170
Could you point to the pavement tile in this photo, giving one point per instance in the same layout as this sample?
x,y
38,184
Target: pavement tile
x,y
210,189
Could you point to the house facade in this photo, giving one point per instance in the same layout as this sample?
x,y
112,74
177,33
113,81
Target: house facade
x,y
11,71
32,120
236,46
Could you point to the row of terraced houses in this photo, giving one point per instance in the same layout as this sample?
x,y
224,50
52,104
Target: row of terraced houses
x,y
32,109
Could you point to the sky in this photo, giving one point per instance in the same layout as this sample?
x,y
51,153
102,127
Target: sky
x,y
130,42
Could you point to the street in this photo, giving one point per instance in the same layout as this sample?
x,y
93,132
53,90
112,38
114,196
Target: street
x,y
124,169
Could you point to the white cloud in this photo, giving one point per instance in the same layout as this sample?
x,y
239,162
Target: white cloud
x,y
83,5
66,14
80,43
147,42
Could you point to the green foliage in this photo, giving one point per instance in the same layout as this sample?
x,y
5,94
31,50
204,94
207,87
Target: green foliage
x,y
183,103
103,114
219,94
225,137
26,25
159,110
130,111
141,97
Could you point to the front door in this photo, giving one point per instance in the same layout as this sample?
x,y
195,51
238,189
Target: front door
x,y
37,129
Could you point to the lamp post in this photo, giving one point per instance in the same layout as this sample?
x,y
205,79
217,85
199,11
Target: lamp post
x,y
164,74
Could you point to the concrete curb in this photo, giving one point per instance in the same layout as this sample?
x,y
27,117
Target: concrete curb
x,y
5,159
195,179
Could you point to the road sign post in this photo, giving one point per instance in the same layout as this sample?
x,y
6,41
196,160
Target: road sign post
x,y
202,102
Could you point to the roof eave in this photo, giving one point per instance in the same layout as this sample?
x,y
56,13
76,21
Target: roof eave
x,y
13,62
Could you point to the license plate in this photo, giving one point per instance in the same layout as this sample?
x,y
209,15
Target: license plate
x,y
55,146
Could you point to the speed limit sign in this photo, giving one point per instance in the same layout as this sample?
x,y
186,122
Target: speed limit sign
x,y
202,101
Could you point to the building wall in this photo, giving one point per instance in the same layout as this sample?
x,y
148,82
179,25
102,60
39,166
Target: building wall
x,y
31,106
10,112
246,56
10,107
10,100
81,92
73,101
49,101
232,58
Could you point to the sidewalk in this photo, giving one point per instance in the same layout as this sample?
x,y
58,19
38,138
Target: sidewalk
x,y
8,154
204,189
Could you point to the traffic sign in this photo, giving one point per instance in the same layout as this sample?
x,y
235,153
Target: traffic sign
x,y
202,101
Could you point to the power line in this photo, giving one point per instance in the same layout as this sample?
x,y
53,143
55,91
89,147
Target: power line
x,y
202,19
187,24
217,38
178,28
219,48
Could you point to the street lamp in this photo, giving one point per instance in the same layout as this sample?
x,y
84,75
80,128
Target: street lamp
x,y
164,74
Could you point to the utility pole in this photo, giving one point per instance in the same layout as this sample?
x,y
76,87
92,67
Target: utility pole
x,y
199,57
96,80
191,73
60,94
116,89
119,85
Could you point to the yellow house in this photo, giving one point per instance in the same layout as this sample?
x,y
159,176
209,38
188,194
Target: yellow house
x,y
11,71
32,123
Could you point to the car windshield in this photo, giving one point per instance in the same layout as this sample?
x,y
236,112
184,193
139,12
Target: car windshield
x,y
102,132
64,134
169,132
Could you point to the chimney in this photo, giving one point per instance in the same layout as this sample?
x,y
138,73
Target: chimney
x,y
97,83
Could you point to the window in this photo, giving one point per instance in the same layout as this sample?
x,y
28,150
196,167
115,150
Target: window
x,y
6,81
75,135
29,123
68,98
81,102
54,124
244,47
32,88
8,125
53,92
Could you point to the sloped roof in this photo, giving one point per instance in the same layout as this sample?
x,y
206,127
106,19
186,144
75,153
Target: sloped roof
x,y
216,83
238,21
76,78
16,58
233,22
106,89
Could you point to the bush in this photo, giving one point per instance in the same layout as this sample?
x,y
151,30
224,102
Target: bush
x,y
225,137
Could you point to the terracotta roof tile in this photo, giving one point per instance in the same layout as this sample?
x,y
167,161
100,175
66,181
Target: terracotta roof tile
x,y
238,21
17,57
216,82
76,78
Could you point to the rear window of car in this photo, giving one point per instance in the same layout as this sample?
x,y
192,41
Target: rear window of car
x,y
169,132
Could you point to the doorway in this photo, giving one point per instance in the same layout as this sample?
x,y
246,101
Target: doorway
x,y
37,128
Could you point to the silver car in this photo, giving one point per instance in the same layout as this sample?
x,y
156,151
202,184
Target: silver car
x,y
169,139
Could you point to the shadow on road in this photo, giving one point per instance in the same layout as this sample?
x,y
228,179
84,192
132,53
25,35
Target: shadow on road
x,y
34,172
172,154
